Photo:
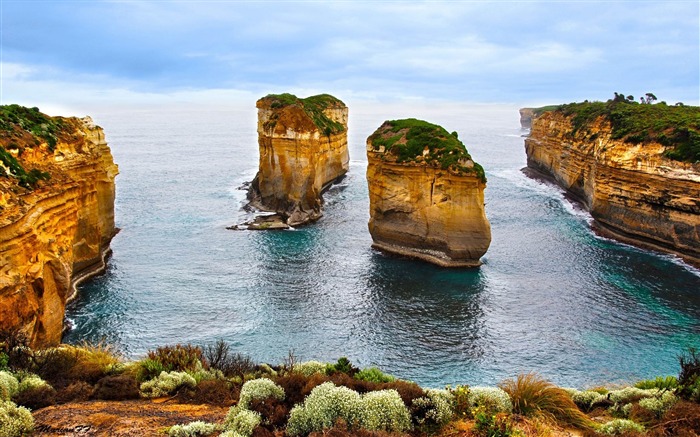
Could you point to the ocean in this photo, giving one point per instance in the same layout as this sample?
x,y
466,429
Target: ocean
x,y
551,296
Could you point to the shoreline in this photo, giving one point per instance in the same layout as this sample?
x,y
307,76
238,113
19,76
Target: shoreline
x,y
433,257
95,269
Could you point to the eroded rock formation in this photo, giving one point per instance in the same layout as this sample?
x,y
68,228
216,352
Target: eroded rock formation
x,y
303,149
426,195
56,216
633,191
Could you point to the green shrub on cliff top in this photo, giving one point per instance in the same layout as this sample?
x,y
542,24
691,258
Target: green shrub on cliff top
x,y
9,167
676,127
40,126
314,107
408,139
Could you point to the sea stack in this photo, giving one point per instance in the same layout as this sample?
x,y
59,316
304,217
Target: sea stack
x,y
303,149
56,216
635,167
426,195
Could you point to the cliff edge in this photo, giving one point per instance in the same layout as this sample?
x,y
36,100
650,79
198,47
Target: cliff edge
x,y
426,195
635,167
303,149
56,216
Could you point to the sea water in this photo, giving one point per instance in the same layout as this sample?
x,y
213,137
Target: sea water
x,y
551,296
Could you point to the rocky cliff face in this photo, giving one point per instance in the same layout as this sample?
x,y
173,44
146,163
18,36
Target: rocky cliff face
x,y
426,195
633,191
55,231
526,116
303,148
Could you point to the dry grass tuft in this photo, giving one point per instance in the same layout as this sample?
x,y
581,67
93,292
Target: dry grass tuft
x,y
533,396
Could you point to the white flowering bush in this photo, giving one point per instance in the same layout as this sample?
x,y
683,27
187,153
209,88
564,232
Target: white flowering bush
x,y
9,386
308,368
31,381
620,426
437,407
231,434
14,421
166,384
241,421
660,404
192,429
259,389
383,410
322,407
585,399
493,399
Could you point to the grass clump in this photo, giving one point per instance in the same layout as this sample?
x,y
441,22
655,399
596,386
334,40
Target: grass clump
x,y
314,107
676,127
412,140
179,358
534,396
15,421
660,382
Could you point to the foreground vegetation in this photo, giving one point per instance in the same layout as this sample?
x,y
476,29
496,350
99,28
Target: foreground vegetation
x,y
335,399
412,140
676,127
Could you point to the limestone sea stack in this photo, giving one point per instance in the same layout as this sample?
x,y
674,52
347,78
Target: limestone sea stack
x,y
56,216
426,195
303,149
635,167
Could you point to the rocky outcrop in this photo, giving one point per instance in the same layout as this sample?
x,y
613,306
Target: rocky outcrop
x,y
526,116
426,195
55,229
633,191
303,149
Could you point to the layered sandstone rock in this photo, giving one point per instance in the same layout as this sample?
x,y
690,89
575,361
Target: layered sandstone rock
x,y
633,192
52,232
303,149
426,195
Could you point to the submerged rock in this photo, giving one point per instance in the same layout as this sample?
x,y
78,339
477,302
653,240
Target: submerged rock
x,y
303,149
56,216
426,195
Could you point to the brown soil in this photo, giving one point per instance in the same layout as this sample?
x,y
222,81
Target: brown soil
x,y
121,419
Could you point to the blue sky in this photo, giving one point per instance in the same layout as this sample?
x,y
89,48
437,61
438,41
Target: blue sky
x,y
521,52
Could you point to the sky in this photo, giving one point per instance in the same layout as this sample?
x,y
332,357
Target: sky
x,y
69,53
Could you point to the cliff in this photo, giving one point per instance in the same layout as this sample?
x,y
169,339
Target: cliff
x,y
528,114
303,149
426,195
616,158
56,216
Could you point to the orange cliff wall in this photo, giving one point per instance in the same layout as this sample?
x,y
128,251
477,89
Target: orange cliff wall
x,y
633,192
297,160
54,235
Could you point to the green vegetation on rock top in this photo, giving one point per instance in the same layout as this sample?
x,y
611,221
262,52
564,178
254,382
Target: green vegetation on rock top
x,y
40,126
407,139
314,107
676,127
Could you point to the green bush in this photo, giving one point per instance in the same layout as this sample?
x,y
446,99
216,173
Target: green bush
x,y
9,386
313,106
342,366
383,410
660,404
620,426
689,375
660,382
373,374
166,384
192,429
149,369
241,421
492,399
491,425
15,421
322,407
179,358
259,389
309,368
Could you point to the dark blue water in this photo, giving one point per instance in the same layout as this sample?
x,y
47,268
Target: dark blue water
x,y
551,297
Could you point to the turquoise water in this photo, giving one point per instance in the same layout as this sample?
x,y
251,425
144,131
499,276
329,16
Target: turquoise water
x,y
551,296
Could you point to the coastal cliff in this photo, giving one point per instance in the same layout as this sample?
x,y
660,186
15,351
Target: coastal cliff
x,y
303,149
56,216
426,195
616,158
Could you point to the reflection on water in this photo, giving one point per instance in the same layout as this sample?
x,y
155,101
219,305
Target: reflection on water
x,y
551,297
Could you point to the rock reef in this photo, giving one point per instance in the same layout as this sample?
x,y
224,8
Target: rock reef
x,y
303,149
621,172
426,195
56,216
